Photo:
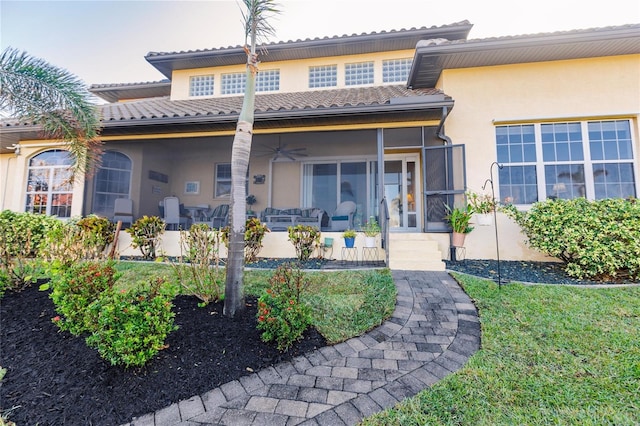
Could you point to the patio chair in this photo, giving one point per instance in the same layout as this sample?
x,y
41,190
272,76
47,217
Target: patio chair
x,y
218,217
342,217
123,210
172,214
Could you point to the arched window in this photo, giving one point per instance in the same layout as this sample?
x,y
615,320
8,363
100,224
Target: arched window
x,y
49,187
113,180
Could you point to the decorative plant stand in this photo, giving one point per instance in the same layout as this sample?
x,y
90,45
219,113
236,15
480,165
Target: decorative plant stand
x,y
349,254
369,254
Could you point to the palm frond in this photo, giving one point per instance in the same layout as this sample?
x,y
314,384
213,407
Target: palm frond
x,y
32,89
256,20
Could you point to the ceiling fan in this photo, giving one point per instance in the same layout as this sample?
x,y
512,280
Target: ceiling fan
x,y
282,151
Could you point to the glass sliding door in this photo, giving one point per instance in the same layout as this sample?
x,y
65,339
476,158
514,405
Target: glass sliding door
x,y
401,189
327,184
320,186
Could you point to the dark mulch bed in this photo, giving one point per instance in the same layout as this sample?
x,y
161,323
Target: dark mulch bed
x,y
520,271
53,378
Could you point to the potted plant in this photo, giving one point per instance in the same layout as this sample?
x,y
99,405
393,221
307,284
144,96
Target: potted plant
x,y
349,238
483,206
459,219
251,200
371,230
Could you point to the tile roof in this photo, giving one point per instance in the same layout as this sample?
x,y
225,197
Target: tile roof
x,y
322,101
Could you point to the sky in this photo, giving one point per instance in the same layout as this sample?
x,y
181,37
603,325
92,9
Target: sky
x,y
105,41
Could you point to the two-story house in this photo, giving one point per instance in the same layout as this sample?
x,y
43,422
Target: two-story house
x,y
401,121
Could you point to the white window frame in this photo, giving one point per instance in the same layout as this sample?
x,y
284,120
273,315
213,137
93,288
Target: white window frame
x,y
56,184
224,180
235,83
359,73
321,76
396,70
201,85
587,162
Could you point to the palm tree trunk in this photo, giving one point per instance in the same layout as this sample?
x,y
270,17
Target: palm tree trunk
x,y
233,292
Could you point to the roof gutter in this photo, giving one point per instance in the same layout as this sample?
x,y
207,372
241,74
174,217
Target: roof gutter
x,y
281,114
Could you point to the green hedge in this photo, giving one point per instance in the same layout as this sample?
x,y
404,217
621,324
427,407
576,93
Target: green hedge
x,y
596,239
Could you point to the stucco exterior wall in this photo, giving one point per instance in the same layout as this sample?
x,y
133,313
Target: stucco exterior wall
x,y
601,88
598,88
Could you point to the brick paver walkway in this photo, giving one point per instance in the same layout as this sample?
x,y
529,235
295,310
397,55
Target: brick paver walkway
x,y
432,333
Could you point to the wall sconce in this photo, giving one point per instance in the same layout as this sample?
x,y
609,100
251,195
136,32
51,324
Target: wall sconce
x,y
16,148
258,179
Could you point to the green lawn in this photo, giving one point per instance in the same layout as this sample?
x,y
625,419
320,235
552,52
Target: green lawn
x,y
345,303
549,355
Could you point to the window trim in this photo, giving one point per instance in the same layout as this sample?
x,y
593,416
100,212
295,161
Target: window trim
x,y
193,93
356,82
586,162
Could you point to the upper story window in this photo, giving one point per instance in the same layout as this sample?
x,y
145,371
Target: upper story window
x,y
268,81
323,76
358,73
396,70
234,83
49,187
201,85
591,159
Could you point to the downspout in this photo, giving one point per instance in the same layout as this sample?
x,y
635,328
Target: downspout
x,y
440,133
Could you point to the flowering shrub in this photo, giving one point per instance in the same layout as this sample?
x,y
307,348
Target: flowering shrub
x,y
596,239
282,315
74,288
132,326
305,238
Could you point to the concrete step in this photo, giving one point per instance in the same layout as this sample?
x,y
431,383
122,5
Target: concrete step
x,y
415,252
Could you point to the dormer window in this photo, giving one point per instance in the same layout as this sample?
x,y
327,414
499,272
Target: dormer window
x,y
358,73
201,85
396,70
323,76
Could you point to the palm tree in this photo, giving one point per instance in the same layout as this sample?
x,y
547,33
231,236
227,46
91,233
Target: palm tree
x,y
34,90
256,27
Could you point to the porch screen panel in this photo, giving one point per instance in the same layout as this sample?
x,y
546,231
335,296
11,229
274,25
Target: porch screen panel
x,y
113,180
321,186
444,183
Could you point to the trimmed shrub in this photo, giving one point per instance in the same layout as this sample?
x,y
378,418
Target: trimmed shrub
x,y
305,239
282,315
77,240
596,239
21,236
74,288
144,234
254,232
132,326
